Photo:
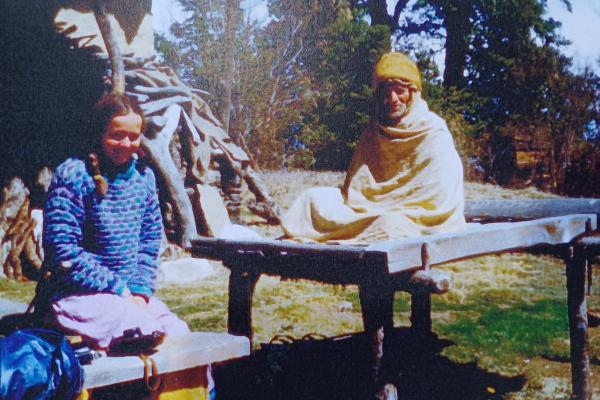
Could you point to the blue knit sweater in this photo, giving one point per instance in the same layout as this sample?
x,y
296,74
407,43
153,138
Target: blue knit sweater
x,y
95,243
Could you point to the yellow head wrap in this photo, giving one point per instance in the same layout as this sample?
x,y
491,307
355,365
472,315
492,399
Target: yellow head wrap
x,y
396,66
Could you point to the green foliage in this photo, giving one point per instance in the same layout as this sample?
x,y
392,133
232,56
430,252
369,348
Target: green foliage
x,y
301,86
197,52
340,74
571,122
513,84
453,105
300,94
325,88
511,59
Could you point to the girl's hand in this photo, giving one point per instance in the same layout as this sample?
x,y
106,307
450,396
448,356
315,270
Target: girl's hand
x,y
138,300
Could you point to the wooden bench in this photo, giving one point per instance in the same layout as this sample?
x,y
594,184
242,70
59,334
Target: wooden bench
x,y
177,359
382,268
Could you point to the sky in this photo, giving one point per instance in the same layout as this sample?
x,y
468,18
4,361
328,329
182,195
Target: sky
x,y
581,26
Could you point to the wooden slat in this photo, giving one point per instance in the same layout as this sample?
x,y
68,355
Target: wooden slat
x,y
176,354
221,248
316,267
478,240
591,243
529,208
406,254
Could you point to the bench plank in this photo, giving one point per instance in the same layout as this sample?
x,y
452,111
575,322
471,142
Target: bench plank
x,y
477,240
402,255
175,354
494,209
219,249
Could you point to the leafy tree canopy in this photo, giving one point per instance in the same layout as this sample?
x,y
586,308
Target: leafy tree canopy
x,y
299,93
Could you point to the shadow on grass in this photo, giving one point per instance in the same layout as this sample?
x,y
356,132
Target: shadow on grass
x,y
336,368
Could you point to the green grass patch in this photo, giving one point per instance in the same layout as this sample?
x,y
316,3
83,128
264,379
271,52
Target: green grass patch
x,y
481,301
210,323
17,291
504,336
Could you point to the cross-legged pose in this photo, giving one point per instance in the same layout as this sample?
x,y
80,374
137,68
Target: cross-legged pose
x,y
405,179
102,233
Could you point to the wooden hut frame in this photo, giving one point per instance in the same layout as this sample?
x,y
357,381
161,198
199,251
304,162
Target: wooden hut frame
x,y
167,104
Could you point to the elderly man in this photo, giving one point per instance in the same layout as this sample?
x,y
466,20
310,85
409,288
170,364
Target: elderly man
x,y
405,179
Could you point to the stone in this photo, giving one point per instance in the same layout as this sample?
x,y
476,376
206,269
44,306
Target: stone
x,y
184,271
237,232
215,217
345,306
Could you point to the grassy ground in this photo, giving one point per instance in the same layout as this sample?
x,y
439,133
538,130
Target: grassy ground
x,y
507,315
504,325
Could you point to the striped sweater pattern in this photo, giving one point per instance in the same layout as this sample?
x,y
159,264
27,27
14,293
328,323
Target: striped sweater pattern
x,y
101,244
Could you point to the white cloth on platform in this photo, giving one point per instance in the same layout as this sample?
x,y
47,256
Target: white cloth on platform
x,y
403,181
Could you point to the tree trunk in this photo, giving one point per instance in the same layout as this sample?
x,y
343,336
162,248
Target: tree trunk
x,y
379,14
456,22
231,24
106,23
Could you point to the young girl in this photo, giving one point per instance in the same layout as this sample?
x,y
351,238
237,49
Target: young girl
x,y
102,233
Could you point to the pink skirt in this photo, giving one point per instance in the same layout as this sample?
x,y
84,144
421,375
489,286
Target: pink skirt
x,y
101,317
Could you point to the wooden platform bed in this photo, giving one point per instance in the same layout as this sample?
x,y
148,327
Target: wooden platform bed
x,y
561,227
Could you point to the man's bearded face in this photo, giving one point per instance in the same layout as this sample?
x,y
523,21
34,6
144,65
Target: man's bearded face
x,y
396,97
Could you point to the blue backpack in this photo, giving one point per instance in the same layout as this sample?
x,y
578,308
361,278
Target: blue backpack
x,y
38,364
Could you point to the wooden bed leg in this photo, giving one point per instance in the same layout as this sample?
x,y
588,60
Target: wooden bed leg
x,y
241,288
590,276
420,304
590,261
420,318
377,300
578,323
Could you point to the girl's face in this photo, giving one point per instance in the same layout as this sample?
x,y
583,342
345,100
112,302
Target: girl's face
x,y
122,137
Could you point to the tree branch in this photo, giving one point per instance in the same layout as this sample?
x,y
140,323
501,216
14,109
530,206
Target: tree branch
x,y
400,6
105,23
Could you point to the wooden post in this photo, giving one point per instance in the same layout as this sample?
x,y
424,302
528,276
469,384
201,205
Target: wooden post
x,y
376,301
420,304
589,262
242,281
578,324
420,318
590,274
